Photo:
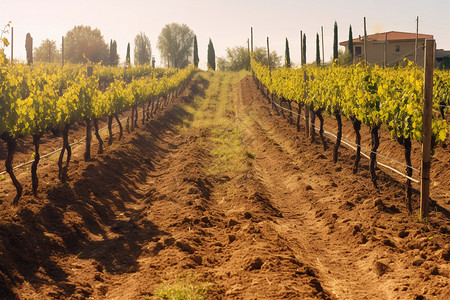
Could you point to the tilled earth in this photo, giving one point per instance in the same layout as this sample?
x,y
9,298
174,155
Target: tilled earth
x,y
220,188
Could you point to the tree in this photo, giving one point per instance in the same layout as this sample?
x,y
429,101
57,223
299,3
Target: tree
x,y
317,50
29,48
47,52
83,42
335,42
238,58
175,42
142,49
304,50
287,56
113,56
128,59
211,56
196,59
350,42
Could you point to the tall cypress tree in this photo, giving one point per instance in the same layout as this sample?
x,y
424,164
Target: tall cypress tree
x,y
287,56
304,50
113,56
211,56
128,59
335,42
196,59
350,43
317,50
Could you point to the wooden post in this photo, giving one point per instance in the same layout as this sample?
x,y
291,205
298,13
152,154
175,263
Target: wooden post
x,y
268,53
305,77
323,51
417,38
301,48
62,51
251,37
365,42
12,45
426,128
385,49
248,50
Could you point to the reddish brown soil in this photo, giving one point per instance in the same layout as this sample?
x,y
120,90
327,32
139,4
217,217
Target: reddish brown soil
x,y
288,224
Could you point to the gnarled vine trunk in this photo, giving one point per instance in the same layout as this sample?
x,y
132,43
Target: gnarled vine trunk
x,y
11,145
357,127
37,157
373,155
87,152
62,175
324,141
111,138
99,138
338,136
120,126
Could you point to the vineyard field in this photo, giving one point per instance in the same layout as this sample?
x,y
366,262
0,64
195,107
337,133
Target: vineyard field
x,y
224,192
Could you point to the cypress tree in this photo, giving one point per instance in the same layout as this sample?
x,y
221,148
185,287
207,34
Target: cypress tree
x,y
317,50
287,55
335,42
128,59
350,43
113,56
304,50
196,59
211,56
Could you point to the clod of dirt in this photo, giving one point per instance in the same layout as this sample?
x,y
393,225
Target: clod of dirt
x,y
254,264
197,259
389,243
232,223
356,229
402,234
247,215
417,261
380,268
434,271
378,203
308,188
443,254
184,246
231,238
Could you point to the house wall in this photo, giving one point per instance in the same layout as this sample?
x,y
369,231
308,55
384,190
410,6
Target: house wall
x,y
375,52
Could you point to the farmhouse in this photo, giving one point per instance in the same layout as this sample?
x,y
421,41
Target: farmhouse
x,y
389,48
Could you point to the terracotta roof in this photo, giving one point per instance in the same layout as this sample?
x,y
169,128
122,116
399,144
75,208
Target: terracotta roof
x,y
391,36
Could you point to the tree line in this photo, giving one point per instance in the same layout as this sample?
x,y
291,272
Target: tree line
x,y
177,44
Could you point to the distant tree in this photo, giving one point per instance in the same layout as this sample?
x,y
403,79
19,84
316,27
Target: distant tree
x,y
175,42
211,56
237,59
304,50
317,50
47,52
335,42
83,41
128,59
260,55
113,56
287,56
196,59
29,48
350,42
142,49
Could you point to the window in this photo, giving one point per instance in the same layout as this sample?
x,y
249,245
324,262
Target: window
x,y
358,51
397,48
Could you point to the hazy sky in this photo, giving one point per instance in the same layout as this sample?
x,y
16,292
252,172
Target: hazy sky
x,y
227,22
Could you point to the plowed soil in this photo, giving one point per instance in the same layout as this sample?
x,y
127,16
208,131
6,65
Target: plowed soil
x,y
220,188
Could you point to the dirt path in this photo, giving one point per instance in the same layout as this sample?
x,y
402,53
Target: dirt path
x,y
221,193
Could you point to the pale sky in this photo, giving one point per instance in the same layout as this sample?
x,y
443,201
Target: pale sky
x,y
227,23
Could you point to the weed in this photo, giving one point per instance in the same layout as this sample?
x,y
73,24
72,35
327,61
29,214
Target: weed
x,y
184,288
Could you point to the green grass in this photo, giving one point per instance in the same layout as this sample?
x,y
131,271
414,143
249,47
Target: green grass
x,y
184,288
